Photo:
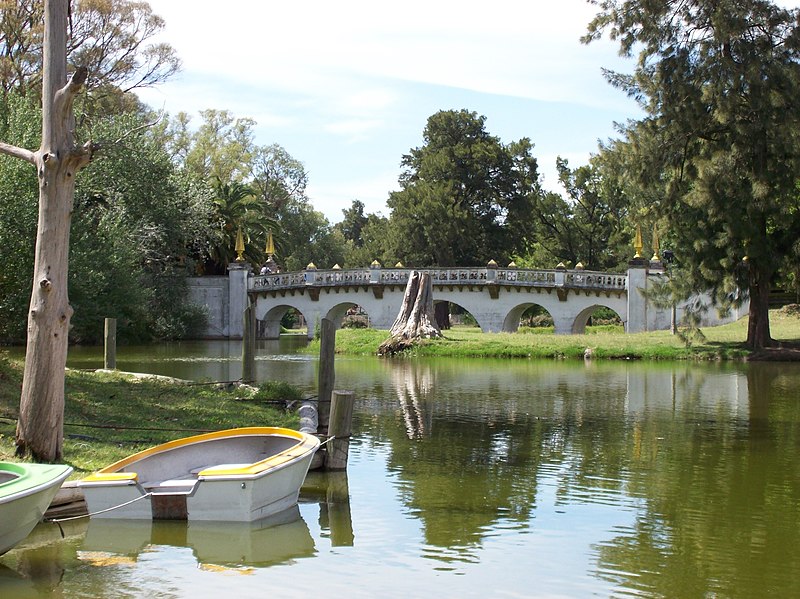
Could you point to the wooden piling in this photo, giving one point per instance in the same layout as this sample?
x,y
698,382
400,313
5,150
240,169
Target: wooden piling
x,y
249,345
340,522
327,351
340,428
110,344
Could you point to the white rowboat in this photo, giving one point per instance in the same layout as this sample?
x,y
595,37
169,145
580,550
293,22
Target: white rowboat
x,y
241,474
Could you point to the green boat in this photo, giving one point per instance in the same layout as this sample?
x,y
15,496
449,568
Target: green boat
x,y
26,491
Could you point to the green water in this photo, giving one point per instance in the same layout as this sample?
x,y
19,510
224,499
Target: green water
x,y
483,478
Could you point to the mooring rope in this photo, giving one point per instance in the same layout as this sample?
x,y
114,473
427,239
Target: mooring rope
x,y
58,521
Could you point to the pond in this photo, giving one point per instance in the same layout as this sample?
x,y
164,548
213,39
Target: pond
x,y
482,478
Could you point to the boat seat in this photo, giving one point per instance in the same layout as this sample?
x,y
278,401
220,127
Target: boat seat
x,y
171,485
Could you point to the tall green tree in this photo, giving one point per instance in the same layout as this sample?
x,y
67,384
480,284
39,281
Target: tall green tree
x,y
589,225
465,197
353,222
718,152
303,235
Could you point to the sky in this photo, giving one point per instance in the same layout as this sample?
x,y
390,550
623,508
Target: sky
x,y
347,87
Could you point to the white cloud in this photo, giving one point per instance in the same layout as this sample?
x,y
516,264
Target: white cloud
x,y
346,86
527,49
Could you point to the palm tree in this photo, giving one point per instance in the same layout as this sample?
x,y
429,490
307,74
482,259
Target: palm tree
x,y
237,208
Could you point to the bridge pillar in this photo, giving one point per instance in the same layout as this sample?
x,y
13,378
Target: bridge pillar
x,y
237,298
637,302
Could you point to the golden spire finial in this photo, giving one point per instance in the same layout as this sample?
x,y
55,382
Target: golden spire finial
x,y
637,242
239,246
656,257
270,249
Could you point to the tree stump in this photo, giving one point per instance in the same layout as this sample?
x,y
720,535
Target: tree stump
x,y
416,317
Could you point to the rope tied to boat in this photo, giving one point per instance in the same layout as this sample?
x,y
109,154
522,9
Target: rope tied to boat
x,y
58,521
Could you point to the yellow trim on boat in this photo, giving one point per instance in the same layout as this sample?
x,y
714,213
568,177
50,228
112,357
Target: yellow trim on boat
x,y
111,477
307,442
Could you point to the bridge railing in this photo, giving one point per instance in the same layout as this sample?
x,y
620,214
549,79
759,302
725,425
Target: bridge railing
x,y
518,277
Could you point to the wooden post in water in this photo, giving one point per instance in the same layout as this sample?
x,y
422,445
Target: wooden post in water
x,y
340,428
110,337
249,345
340,522
327,347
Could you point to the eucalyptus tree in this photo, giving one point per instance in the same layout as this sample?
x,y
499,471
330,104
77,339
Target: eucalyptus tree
x,y
222,147
115,40
718,150
40,427
276,177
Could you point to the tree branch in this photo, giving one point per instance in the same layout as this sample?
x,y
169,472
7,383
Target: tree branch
x,y
63,98
139,128
16,152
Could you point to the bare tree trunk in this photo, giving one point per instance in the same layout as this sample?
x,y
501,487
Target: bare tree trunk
x,y
442,312
41,417
415,319
758,331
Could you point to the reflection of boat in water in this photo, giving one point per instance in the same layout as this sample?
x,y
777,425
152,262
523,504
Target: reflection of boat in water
x,y
277,539
13,584
26,491
241,474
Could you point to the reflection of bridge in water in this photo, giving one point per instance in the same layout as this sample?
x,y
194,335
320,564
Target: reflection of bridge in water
x,y
495,297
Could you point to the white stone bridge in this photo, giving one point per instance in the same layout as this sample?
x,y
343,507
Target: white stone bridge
x,y
496,297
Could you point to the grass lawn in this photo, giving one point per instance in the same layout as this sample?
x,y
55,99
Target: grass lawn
x,y
110,415
723,342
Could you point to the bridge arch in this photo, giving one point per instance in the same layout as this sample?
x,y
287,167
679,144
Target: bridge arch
x,y
271,320
579,324
513,317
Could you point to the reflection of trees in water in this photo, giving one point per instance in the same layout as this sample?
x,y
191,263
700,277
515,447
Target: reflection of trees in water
x,y
704,455
721,492
479,453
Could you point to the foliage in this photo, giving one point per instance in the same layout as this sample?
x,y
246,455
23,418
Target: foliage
x,y
276,177
133,219
592,231
372,243
353,222
306,237
220,149
20,123
465,197
236,210
257,188
114,39
716,158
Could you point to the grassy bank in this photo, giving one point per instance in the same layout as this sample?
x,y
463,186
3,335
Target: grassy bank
x,y
724,342
110,415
